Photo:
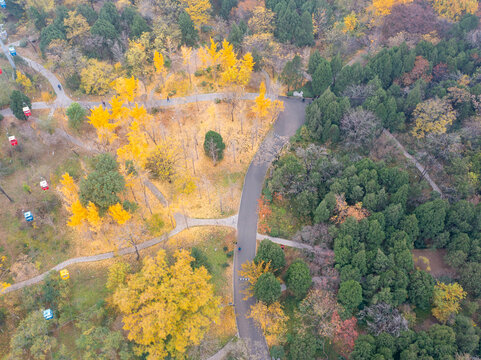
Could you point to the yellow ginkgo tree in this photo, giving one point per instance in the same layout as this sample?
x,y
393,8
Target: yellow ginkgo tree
x,y
118,213
272,320
93,218
446,301
100,118
167,307
263,106
23,81
126,88
198,11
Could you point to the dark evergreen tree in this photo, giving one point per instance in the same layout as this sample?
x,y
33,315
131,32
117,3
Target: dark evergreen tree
x,y
109,13
102,185
188,31
305,31
88,13
17,101
292,73
298,278
270,252
267,288
105,29
322,77
226,6
314,61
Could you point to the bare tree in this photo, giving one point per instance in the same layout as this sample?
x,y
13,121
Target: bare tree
x,y
233,146
212,150
359,128
382,317
233,98
358,93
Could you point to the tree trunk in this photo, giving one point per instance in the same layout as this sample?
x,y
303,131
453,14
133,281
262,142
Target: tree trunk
x,y
4,193
135,246
145,197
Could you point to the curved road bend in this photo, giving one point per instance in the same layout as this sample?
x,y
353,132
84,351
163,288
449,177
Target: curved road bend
x,y
286,125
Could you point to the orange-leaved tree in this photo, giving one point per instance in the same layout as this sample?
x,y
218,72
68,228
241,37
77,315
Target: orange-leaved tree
x,y
345,334
263,212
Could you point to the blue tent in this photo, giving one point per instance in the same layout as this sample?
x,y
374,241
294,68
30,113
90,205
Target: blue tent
x,y
12,51
48,314
3,4
28,216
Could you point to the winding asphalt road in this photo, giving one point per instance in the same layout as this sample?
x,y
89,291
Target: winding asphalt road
x,y
286,125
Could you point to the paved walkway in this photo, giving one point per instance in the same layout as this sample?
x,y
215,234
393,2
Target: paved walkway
x,y
62,99
153,189
284,242
411,158
182,222
222,353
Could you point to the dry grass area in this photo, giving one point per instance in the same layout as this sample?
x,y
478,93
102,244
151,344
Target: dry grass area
x,y
432,261
45,241
218,187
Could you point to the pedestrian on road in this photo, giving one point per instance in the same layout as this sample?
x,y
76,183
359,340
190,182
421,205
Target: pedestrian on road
x,y
103,103
59,87
240,248
168,98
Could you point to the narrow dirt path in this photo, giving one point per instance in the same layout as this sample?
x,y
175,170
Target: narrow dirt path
x,y
411,158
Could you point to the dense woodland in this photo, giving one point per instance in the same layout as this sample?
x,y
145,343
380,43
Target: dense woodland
x,y
381,186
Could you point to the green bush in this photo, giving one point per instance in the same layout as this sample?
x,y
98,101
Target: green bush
x,y
155,224
76,115
200,259
73,82
130,206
